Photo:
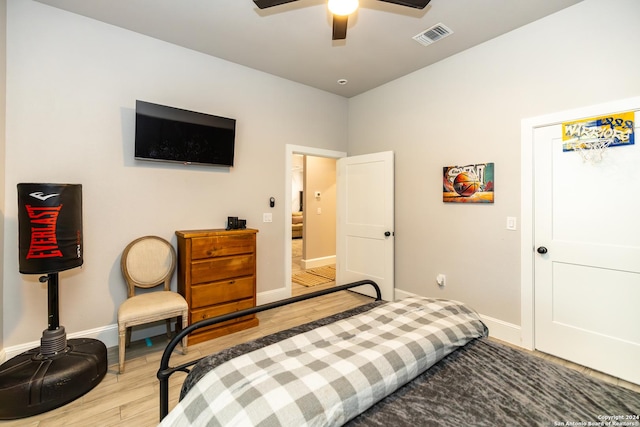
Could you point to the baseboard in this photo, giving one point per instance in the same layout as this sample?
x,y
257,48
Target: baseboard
x,y
318,262
107,334
503,331
399,294
498,329
272,296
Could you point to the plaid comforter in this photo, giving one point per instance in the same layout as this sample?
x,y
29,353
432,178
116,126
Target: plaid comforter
x,y
331,374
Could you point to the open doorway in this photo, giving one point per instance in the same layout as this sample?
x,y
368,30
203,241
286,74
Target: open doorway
x,y
310,256
313,223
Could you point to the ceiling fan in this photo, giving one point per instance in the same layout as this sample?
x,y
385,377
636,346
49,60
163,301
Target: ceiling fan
x,y
341,10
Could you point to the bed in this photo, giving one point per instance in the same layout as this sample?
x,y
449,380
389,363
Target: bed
x,y
462,379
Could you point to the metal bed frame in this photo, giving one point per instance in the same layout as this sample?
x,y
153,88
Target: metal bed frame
x,y
165,371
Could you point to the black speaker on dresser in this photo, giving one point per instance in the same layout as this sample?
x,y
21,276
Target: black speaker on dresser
x,y
60,370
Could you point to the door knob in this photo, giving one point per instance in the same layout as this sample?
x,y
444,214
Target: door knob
x,y
542,250
387,233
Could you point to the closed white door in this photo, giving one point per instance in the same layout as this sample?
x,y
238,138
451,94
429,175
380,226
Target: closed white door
x,y
364,222
587,255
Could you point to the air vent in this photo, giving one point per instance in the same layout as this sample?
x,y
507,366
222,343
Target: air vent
x,y
433,34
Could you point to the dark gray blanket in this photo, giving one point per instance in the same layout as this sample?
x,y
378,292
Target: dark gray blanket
x,y
489,384
482,384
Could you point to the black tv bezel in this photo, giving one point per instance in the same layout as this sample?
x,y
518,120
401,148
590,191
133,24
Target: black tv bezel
x,y
179,115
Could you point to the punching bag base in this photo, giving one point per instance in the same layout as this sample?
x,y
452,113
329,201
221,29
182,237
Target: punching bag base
x,y
32,383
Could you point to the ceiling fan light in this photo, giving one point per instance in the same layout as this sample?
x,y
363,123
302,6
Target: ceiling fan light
x,y
342,7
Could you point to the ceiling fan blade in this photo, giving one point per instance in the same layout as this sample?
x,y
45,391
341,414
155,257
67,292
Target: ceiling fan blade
x,y
340,27
418,4
263,4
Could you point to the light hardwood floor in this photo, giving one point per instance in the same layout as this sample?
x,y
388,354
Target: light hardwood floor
x,y
131,399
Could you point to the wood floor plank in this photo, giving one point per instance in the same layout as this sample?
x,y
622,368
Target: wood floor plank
x,y
93,410
134,408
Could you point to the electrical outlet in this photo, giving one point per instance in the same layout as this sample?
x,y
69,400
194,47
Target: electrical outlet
x,y
267,217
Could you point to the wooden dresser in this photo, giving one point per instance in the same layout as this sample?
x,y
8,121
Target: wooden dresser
x,y
217,275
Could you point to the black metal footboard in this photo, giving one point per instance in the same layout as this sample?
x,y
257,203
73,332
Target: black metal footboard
x,y
166,371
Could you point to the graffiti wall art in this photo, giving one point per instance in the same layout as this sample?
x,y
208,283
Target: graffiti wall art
x,y
468,184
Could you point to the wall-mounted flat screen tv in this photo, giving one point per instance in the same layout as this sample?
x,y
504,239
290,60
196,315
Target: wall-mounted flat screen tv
x,y
171,134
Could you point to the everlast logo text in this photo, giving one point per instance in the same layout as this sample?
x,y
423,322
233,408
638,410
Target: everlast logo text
x,y
44,243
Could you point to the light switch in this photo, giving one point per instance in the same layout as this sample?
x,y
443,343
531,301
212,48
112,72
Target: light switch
x,y
511,223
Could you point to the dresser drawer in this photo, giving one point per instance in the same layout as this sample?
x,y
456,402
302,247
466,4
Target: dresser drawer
x,y
228,290
215,269
219,310
207,247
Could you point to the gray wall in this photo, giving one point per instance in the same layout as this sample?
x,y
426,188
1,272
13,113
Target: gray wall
x,y
468,109
72,87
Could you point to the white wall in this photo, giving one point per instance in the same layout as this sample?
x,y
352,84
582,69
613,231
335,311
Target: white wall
x,y
468,109
72,84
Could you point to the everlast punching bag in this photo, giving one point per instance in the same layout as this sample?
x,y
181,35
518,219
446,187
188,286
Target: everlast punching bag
x,y
50,227
59,371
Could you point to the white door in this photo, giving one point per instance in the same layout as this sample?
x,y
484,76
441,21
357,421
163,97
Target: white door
x,y
365,220
587,284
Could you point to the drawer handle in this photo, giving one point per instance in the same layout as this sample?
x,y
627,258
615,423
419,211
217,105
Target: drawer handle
x,y
231,282
204,316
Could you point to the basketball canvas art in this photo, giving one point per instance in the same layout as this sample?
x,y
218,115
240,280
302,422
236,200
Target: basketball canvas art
x,y
468,184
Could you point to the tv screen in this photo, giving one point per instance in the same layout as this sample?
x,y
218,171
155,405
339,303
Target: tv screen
x,y
174,135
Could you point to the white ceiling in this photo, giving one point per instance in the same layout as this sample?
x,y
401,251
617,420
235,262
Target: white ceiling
x,y
293,41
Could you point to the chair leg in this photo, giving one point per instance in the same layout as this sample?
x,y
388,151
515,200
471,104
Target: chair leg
x,y
122,332
128,337
168,322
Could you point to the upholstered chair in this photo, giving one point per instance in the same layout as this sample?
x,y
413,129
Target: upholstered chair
x,y
148,262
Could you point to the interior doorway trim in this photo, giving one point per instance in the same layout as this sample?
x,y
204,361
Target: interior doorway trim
x,y
290,150
527,242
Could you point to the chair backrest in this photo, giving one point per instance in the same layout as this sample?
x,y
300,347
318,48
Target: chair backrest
x,y
148,262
